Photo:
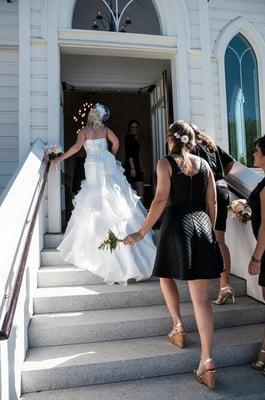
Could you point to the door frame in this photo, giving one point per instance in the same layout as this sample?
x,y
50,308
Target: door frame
x,y
79,42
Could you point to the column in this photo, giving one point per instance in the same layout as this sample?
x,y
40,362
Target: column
x,y
53,118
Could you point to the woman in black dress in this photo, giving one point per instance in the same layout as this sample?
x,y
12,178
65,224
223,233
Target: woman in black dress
x,y
221,164
186,249
133,171
257,262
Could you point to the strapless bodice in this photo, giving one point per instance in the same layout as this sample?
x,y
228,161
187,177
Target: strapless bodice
x,y
96,145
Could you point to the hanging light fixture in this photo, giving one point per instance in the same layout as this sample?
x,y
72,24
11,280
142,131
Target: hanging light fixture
x,y
111,21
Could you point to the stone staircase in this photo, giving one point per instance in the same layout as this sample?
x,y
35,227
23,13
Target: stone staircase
x,y
90,341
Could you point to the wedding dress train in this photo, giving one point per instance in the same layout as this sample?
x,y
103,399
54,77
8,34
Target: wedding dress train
x,y
106,201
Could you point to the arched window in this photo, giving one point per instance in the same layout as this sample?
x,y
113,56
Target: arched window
x,y
242,95
131,16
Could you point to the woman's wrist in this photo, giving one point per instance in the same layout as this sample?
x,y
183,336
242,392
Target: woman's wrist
x,y
255,260
142,233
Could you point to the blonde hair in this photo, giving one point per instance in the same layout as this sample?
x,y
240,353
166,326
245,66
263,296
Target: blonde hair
x,y
94,119
181,148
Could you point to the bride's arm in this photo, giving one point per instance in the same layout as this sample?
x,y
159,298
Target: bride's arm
x,y
74,149
114,141
158,204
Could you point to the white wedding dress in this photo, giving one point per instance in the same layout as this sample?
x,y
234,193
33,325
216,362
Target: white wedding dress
x,y
106,201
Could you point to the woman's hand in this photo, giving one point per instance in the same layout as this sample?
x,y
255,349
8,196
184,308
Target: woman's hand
x,y
253,268
133,238
56,160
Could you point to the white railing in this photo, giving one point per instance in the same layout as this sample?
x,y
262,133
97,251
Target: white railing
x,y
16,205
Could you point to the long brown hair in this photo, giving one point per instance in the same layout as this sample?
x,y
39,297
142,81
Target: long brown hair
x,y
182,136
203,139
261,143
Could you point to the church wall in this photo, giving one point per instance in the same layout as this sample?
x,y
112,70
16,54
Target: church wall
x,y
9,58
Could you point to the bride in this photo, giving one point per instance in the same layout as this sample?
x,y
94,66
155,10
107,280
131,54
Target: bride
x,y
105,202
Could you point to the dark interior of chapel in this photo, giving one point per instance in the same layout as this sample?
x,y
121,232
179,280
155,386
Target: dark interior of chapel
x,y
124,106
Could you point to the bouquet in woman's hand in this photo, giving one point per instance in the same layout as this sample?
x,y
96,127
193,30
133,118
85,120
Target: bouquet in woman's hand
x,y
110,243
53,151
240,210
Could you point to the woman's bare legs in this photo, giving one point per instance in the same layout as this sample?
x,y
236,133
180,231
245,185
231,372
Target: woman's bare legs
x,y
225,276
259,364
225,291
171,295
199,289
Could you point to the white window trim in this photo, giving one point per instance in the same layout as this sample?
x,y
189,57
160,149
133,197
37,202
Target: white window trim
x,y
239,25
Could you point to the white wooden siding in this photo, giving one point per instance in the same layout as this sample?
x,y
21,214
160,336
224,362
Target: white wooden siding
x,y
8,23
8,113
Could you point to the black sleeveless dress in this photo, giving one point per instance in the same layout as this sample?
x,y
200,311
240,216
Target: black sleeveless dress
x,y
187,248
254,202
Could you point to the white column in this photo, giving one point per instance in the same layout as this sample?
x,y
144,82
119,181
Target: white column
x,y
180,82
24,79
207,80
53,118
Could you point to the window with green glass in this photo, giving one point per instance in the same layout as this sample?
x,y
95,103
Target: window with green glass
x,y
242,95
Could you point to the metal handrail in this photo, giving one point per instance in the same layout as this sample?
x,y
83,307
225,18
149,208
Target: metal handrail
x,y
10,313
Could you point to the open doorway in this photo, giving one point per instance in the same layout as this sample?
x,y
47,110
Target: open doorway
x,y
124,106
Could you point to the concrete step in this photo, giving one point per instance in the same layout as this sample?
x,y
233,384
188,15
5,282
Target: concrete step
x,y
66,275
52,240
233,383
61,367
96,297
125,323
51,257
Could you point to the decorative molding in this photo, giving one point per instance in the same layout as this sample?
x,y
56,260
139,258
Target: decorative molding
x,y
53,115
113,43
239,25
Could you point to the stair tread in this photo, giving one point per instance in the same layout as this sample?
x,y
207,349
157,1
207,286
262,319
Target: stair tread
x,y
103,288
249,386
131,314
93,290
57,357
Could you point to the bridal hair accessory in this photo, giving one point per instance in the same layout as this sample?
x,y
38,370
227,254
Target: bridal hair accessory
x,y
53,151
110,243
240,210
183,138
103,111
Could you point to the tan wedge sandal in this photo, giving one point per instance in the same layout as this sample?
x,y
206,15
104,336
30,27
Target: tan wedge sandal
x,y
259,364
207,376
225,293
176,337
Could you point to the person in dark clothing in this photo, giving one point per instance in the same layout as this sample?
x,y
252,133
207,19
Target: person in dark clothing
x,y
221,164
187,249
133,171
257,263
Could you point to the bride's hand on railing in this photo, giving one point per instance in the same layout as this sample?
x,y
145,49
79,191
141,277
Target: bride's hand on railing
x,y
133,238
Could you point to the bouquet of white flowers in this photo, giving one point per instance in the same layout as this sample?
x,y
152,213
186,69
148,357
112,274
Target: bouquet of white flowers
x,y
240,210
53,151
